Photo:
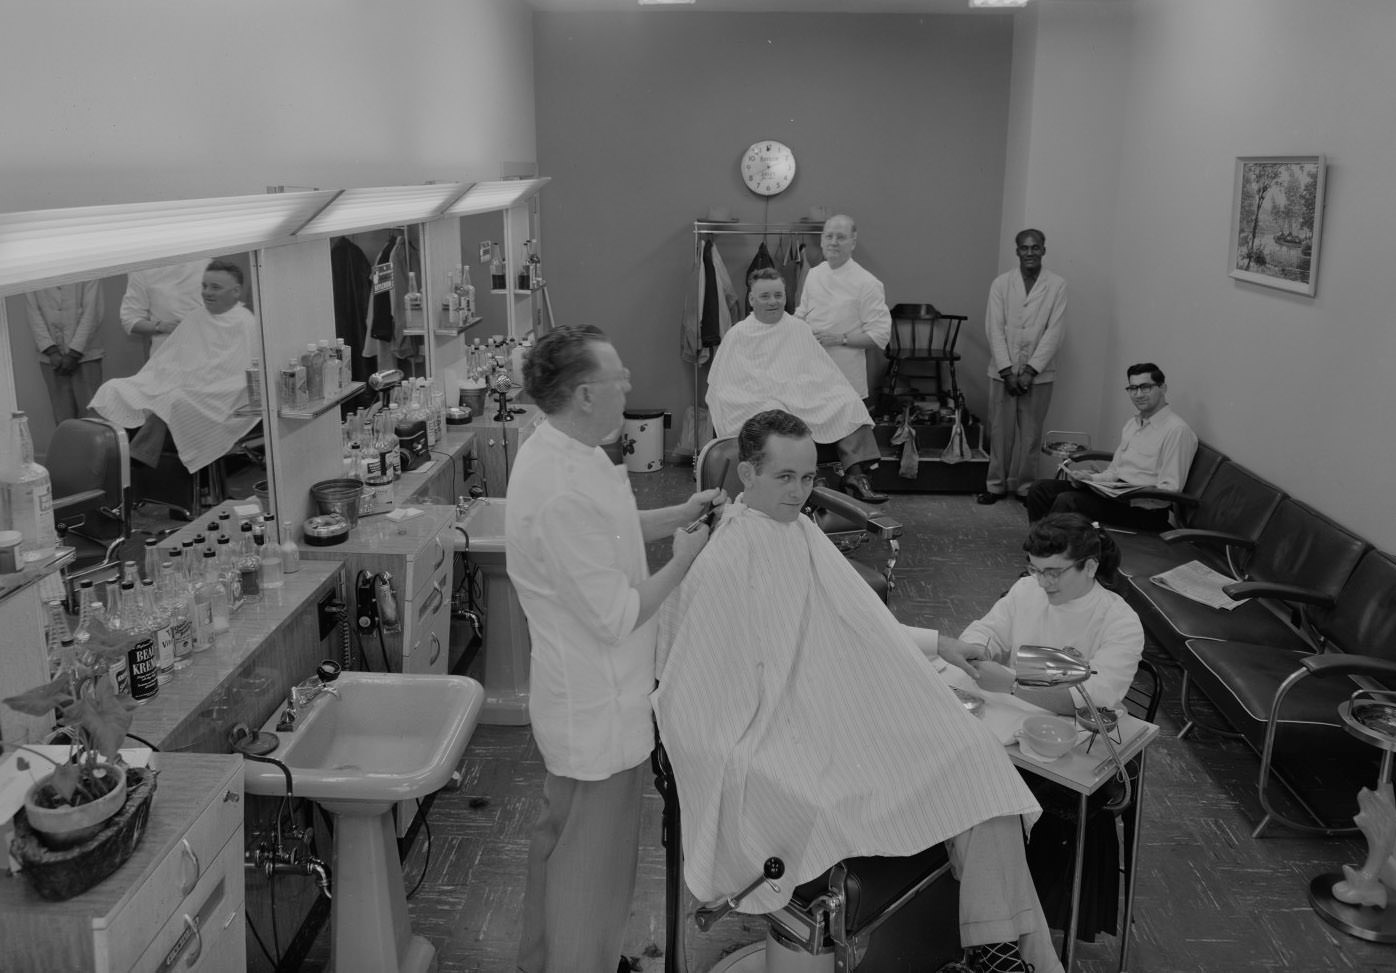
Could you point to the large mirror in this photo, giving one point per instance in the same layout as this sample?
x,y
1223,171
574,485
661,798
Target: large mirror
x,y
382,300
111,346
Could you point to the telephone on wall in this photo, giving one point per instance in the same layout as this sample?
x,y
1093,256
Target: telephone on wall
x,y
375,603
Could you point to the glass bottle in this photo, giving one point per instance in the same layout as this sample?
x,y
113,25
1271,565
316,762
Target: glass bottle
x,y
270,554
140,644
290,555
467,289
28,494
228,571
450,303
218,605
329,365
174,598
89,610
159,617
151,566
498,276
249,564
523,280
314,366
55,634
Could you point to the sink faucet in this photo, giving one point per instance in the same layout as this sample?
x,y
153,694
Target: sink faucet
x,y
308,691
311,689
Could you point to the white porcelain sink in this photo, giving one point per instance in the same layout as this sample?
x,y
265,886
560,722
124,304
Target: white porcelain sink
x,y
484,522
385,737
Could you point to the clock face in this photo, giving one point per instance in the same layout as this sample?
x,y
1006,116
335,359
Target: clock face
x,y
768,167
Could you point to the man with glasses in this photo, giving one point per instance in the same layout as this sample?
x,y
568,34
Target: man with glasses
x,y
576,555
1156,450
1023,325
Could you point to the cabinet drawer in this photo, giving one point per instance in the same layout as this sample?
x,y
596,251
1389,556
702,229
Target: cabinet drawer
x,y
431,630
428,563
177,875
207,931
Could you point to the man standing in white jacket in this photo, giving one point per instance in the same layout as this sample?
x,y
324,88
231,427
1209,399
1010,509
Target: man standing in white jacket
x,y
1024,326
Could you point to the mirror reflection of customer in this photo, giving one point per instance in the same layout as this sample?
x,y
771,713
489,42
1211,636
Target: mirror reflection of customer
x,y
1023,325
194,382
158,298
67,325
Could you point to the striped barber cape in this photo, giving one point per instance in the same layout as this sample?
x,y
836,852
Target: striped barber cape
x,y
802,721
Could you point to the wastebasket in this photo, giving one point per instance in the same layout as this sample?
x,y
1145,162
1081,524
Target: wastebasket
x,y
642,439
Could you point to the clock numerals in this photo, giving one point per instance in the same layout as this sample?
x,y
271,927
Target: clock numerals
x,y
768,168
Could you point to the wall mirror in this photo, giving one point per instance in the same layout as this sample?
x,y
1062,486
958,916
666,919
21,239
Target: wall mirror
x,y
50,388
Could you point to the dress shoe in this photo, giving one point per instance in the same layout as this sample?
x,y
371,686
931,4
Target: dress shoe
x,y
988,497
858,487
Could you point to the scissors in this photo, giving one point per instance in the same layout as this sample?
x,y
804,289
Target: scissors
x,y
706,517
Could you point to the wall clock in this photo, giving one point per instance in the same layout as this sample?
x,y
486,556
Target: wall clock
x,y
768,167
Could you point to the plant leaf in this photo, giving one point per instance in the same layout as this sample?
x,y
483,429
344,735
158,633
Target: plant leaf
x,y
39,700
65,781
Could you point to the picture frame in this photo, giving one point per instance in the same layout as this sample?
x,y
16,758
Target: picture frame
x,y
1277,221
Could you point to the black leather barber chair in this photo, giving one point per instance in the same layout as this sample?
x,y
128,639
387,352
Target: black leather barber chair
x,y
879,915
848,523
89,466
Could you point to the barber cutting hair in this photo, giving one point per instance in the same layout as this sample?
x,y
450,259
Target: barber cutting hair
x,y
576,555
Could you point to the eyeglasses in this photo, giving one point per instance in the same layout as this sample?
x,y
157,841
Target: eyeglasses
x,y
1032,248
1141,388
1052,574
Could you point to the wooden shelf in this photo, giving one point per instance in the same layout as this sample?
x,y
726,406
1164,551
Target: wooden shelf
x,y
321,406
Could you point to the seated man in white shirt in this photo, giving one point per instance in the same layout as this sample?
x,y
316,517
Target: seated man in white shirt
x,y
769,638
192,383
771,360
1156,450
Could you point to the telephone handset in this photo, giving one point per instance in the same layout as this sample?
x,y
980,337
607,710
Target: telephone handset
x,y
375,603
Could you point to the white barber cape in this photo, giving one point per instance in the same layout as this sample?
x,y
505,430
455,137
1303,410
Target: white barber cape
x,y
802,721
781,366
193,382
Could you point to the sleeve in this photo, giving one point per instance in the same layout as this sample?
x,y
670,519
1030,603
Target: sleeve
x,y
1051,338
995,329
873,314
1111,471
995,629
90,317
135,303
37,325
579,549
1116,657
1175,457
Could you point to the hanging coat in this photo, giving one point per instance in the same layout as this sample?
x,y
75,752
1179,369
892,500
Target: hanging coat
x,y
710,305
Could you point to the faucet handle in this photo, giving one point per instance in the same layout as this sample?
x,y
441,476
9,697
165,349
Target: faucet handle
x,y
328,671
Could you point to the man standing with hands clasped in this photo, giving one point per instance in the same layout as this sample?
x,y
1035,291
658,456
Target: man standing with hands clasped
x,y
1023,325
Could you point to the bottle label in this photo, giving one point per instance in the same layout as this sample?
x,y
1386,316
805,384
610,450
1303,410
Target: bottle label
x,y
183,634
248,574
144,668
165,647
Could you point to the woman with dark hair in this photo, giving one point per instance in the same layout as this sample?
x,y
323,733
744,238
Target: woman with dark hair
x,y
1062,602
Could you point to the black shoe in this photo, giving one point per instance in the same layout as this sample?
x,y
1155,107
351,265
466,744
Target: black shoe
x,y
858,487
988,497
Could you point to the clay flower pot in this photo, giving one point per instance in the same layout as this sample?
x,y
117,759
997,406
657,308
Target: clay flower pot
x,y
66,826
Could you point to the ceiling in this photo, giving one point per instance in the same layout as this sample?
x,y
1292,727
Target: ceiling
x,y
778,6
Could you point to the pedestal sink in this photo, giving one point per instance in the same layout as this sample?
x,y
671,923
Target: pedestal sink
x,y
385,737
506,649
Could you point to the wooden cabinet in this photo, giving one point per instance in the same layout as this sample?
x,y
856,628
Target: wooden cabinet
x,y
177,903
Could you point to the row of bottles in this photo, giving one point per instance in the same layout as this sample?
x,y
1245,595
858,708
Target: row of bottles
x,y
178,603
372,439
496,355
458,306
320,372
26,494
530,275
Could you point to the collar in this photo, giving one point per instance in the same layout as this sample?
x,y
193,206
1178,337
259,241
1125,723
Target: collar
x,y
1162,410
561,440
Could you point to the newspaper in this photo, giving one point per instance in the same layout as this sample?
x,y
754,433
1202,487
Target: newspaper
x,y
1200,583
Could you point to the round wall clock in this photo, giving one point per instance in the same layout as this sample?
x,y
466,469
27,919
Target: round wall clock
x,y
768,167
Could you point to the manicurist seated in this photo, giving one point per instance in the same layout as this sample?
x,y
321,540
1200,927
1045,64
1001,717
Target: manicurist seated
x,y
772,360
803,721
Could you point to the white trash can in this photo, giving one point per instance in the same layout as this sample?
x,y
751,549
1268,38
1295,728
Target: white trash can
x,y
642,440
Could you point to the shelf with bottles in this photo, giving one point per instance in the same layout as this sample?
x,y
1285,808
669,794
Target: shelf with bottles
x,y
320,406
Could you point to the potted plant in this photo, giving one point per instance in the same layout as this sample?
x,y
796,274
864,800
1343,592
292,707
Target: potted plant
x,y
89,797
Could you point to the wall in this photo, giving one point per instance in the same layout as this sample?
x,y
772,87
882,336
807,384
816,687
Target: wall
x,y
162,99
1296,388
642,119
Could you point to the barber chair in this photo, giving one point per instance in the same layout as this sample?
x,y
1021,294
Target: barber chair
x,y
89,466
188,494
847,523
920,349
880,915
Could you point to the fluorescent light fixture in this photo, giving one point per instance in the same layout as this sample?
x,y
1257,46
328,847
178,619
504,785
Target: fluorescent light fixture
x,y
667,3
998,3
366,209
497,194
40,248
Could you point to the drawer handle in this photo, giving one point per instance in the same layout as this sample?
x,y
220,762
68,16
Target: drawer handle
x,y
437,592
188,850
198,938
441,560
436,654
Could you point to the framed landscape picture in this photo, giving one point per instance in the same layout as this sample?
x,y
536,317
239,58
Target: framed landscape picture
x,y
1276,220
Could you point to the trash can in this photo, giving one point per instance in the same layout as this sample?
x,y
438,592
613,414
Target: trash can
x,y
642,440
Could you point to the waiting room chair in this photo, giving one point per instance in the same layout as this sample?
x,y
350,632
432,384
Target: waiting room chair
x,y
854,911
847,523
922,347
